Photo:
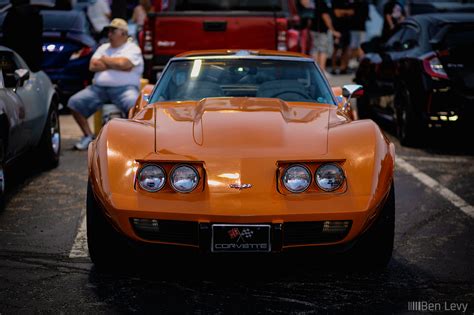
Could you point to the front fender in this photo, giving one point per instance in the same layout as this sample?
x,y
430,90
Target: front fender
x,y
370,159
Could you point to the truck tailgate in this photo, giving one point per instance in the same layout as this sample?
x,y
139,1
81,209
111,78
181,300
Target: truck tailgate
x,y
177,33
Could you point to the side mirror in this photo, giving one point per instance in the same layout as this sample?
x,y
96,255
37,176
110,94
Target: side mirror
x,y
351,91
21,76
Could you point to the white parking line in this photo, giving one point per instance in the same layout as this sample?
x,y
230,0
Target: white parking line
x,y
79,248
449,195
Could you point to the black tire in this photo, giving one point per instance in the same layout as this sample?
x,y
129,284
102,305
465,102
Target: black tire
x,y
49,147
408,124
108,249
373,250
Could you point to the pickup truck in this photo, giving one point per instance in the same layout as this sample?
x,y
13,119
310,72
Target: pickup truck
x,y
183,25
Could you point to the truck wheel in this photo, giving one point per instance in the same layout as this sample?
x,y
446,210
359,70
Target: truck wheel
x,y
107,249
373,250
50,143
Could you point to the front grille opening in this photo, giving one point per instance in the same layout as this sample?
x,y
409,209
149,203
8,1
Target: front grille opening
x,y
300,233
181,232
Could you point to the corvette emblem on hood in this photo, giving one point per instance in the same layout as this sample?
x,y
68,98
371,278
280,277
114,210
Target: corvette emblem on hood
x,y
240,186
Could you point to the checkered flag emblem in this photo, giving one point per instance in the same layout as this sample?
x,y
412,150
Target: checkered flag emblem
x,y
234,233
246,233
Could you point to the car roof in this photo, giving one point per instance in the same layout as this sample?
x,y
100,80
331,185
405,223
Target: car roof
x,y
242,53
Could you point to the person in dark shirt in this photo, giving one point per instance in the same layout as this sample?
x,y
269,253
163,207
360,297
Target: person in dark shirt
x,y
393,13
344,13
322,30
361,15
23,32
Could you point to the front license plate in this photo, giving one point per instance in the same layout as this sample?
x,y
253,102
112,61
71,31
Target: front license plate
x,y
240,238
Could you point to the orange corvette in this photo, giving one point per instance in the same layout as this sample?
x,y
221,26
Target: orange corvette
x,y
242,151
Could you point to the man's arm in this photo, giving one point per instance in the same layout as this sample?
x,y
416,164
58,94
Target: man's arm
x,y
327,20
117,63
96,65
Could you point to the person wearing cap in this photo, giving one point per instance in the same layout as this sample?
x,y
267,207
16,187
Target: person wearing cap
x,y
118,66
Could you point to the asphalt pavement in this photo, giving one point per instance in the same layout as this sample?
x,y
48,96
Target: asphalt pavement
x,y
44,267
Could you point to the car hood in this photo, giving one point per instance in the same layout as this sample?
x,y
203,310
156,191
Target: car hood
x,y
241,128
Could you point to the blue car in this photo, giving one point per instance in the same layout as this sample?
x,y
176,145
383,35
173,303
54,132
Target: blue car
x,y
68,47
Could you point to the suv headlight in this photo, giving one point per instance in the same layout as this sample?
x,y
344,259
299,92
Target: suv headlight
x,y
184,178
297,178
329,177
151,178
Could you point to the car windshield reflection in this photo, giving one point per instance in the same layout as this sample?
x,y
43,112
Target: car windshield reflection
x,y
292,81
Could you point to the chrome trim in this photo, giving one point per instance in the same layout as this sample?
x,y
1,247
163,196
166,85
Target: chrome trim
x,y
240,186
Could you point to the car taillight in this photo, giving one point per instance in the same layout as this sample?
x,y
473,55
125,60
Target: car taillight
x,y
282,29
433,66
81,53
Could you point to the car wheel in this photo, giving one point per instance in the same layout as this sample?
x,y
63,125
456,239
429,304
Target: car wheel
x,y
107,248
2,175
408,126
50,142
373,250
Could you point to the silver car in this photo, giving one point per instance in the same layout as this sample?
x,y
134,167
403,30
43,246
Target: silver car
x,y
29,120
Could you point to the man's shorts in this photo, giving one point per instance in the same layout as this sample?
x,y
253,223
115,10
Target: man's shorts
x,y
322,43
357,38
86,102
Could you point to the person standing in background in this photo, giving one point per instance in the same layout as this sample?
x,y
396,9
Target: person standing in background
x,y
99,15
23,32
322,30
393,13
361,15
140,13
344,13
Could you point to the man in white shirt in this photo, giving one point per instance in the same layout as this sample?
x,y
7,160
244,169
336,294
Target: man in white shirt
x,y
118,66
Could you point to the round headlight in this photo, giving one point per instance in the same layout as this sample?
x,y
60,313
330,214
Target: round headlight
x,y
151,178
329,177
184,178
297,178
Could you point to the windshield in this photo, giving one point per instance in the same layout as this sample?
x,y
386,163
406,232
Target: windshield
x,y
292,81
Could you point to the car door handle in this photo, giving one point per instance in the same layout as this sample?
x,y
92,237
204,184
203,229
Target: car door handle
x,y
214,26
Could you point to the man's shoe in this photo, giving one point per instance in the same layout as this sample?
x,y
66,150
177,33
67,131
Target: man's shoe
x,y
83,144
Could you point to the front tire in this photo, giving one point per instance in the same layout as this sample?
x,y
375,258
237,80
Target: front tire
x,y
373,250
107,248
50,143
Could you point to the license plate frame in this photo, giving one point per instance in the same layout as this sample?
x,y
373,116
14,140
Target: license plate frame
x,y
257,242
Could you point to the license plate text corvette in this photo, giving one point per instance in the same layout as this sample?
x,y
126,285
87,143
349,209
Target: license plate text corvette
x,y
240,238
